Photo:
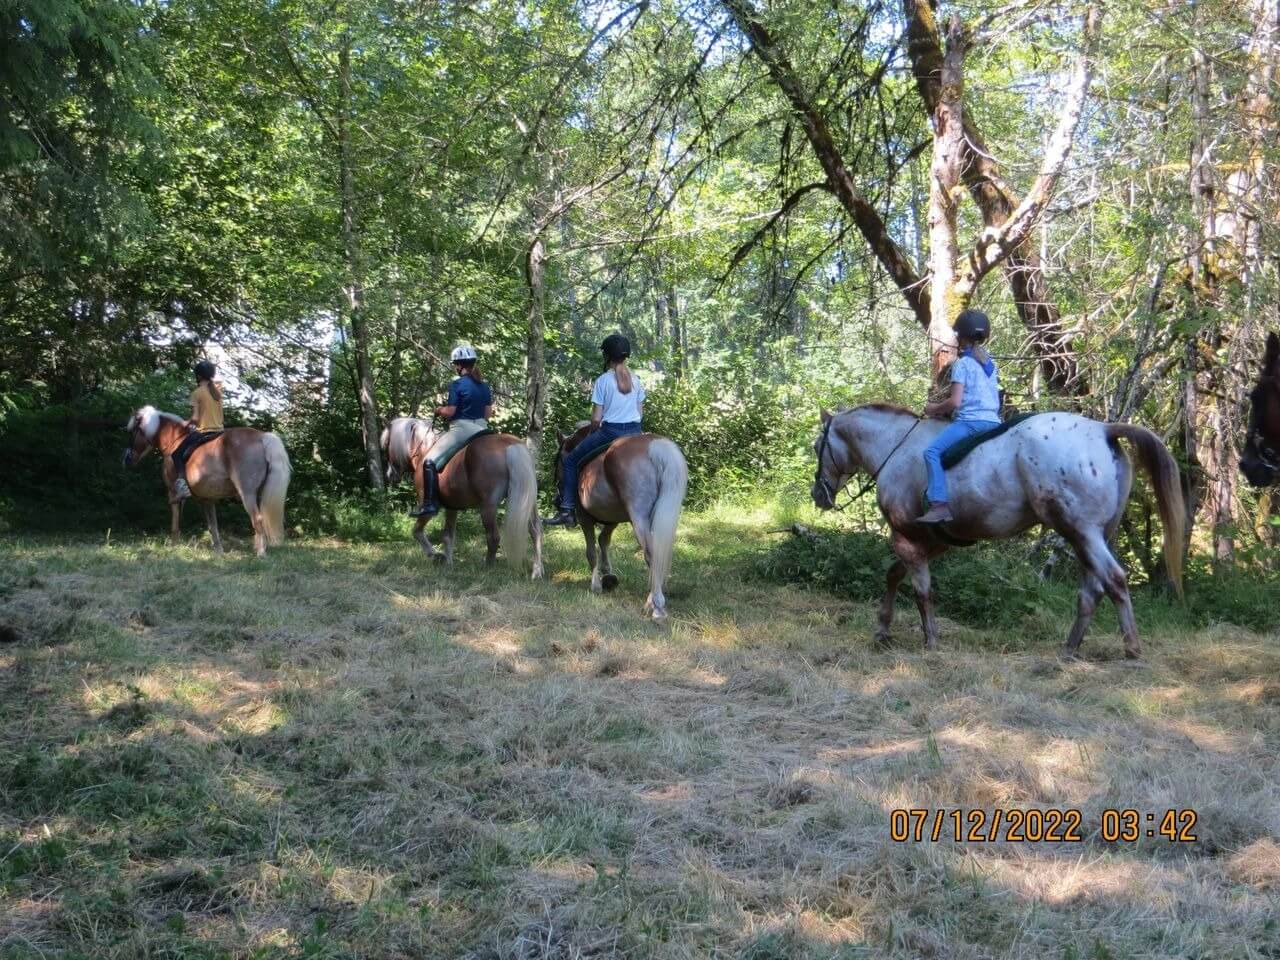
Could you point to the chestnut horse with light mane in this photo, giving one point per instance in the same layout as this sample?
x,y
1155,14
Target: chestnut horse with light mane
x,y
640,479
489,469
242,462
1058,469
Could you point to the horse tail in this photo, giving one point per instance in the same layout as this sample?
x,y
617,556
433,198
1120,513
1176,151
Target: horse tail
x,y
673,481
522,500
1160,466
275,484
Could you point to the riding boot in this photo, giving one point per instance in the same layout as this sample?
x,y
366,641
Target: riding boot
x,y
566,517
430,505
937,513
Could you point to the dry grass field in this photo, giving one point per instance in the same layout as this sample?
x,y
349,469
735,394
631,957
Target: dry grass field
x,y
342,751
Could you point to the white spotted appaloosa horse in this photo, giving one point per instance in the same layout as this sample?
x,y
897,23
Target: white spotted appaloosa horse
x,y
1058,469
242,462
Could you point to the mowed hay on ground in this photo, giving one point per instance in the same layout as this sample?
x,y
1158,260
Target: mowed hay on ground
x,y
344,751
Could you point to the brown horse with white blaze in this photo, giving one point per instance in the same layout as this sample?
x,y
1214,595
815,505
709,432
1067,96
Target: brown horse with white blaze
x,y
241,462
488,470
640,479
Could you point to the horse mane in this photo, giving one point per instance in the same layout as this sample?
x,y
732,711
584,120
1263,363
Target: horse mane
x,y
887,408
148,418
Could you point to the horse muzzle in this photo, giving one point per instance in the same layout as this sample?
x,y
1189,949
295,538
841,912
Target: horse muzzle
x,y
822,498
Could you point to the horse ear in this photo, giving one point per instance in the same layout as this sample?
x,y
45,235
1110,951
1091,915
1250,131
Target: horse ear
x,y
825,416
1271,356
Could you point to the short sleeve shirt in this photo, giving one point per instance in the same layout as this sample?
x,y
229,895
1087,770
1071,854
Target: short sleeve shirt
x,y
981,401
469,397
208,408
618,407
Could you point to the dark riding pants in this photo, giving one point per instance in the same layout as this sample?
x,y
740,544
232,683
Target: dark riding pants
x,y
593,441
185,448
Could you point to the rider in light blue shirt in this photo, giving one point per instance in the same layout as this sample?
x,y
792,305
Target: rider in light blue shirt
x,y
974,403
617,403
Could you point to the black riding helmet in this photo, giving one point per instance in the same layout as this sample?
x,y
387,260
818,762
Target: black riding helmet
x,y
616,347
205,370
973,325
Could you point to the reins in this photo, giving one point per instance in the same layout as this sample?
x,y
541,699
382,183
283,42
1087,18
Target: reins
x,y
825,444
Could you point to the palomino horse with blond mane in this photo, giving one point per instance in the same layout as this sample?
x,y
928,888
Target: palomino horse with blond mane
x,y
489,469
1058,469
641,479
242,462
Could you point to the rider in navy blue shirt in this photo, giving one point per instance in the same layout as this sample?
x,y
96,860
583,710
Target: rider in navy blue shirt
x,y
468,409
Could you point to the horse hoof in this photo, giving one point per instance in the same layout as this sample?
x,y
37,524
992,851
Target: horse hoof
x,y
438,559
609,581
881,640
659,616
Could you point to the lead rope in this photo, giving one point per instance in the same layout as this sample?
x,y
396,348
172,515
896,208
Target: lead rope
x,y
871,480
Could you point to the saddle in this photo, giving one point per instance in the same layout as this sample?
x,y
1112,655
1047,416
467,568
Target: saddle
x,y
488,431
954,455
597,452
197,438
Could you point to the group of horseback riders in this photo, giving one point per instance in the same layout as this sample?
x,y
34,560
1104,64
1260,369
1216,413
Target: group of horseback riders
x,y
617,405
617,408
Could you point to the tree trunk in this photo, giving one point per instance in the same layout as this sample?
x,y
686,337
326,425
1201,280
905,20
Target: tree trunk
x,y
536,375
354,280
945,301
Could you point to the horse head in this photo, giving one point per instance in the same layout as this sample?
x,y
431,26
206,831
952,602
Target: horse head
x,y
1260,459
141,428
829,476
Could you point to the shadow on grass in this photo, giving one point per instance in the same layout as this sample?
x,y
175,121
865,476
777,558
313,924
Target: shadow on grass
x,y
345,750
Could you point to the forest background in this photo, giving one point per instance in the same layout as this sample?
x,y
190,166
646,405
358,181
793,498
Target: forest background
x,y
325,197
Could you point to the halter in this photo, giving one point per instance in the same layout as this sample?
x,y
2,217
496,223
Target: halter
x,y
825,444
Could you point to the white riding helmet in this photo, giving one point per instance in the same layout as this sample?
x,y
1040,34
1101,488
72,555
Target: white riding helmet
x,y
463,351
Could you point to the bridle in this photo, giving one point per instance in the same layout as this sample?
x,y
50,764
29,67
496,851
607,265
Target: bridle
x,y
825,444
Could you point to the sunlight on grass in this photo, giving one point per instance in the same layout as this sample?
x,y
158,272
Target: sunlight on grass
x,y
346,746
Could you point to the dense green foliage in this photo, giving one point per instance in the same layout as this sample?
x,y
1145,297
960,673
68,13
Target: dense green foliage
x,y
294,187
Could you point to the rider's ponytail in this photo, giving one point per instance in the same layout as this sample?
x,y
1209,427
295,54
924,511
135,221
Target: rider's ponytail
x,y
623,375
473,371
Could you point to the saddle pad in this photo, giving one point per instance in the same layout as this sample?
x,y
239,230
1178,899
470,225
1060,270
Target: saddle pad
x,y
959,451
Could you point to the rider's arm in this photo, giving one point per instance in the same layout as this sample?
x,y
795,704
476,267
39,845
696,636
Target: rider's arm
x,y
944,408
488,411
597,416
194,422
446,411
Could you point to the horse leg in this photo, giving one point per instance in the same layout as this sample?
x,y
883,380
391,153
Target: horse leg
x,y
589,534
489,516
535,532
654,603
1086,603
175,521
1111,578
915,557
892,581
250,502
607,580
211,517
420,534
450,535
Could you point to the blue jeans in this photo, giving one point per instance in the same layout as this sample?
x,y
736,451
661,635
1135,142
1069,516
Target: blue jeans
x,y
958,430
607,433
